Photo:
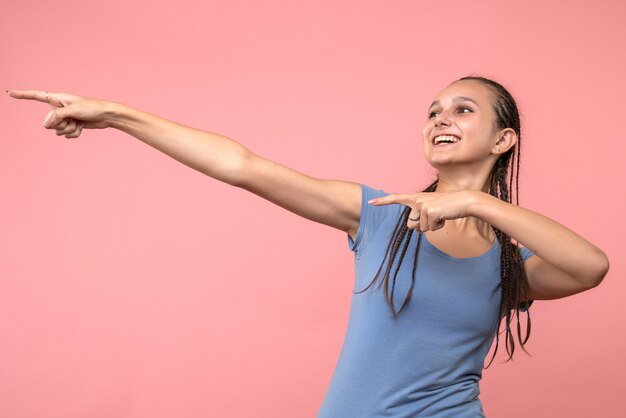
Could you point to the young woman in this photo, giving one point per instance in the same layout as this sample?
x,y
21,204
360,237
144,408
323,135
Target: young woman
x,y
449,250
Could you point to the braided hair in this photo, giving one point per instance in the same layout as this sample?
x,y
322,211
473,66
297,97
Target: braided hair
x,y
513,281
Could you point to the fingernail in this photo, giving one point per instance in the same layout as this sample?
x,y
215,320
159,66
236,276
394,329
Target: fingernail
x,y
371,201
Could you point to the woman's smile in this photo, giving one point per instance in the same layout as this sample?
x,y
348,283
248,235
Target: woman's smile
x,y
445,139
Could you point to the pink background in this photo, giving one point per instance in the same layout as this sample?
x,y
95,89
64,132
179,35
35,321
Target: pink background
x,y
134,286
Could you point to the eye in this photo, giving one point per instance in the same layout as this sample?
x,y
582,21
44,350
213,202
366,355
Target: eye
x,y
462,108
432,115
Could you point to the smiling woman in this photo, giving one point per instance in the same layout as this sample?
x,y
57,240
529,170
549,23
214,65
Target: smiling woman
x,y
474,142
466,270
466,273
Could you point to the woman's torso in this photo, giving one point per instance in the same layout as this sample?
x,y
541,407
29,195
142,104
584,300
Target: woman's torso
x,y
429,360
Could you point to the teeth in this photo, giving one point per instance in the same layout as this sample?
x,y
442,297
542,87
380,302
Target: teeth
x,y
446,138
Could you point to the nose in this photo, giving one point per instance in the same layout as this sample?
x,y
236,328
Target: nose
x,y
441,120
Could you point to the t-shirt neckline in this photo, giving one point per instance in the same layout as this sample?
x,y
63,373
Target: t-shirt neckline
x,y
463,259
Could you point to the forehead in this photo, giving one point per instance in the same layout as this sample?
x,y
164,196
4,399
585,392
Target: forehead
x,y
472,89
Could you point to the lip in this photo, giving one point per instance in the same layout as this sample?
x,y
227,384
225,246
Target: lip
x,y
432,141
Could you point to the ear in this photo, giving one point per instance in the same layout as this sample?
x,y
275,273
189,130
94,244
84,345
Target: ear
x,y
507,138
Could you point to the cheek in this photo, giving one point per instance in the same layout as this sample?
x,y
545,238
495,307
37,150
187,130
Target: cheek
x,y
476,134
426,131
425,140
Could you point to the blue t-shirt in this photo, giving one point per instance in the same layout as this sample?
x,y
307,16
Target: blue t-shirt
x,y
429,360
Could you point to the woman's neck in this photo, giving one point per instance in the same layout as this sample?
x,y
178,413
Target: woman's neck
x,y
467,225
448,184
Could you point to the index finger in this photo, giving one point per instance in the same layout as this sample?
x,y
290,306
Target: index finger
x,y
39,95
394,198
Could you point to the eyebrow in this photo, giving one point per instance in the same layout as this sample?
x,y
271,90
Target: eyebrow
x,y
456,99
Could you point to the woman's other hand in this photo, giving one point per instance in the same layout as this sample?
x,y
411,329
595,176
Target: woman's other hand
x,y
429,211
70,113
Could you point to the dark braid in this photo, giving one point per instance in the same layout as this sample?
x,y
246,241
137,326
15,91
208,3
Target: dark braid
x,y
398,235
513,280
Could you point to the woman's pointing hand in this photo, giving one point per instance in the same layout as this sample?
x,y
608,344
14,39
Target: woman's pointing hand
x,y
430,210
70,113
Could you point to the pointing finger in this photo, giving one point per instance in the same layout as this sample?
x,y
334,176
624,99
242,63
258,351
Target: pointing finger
x,y
56,99
38,95
394,198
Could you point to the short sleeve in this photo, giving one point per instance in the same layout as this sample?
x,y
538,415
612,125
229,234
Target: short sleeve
x,y
371,219
526,254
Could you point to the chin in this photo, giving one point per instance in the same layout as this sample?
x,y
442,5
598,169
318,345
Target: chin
x,y
440,162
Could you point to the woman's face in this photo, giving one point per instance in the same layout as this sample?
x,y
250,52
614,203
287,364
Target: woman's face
x,y
462,116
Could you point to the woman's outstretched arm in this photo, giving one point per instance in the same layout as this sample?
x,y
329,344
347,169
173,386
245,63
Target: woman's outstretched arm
x,y
335,203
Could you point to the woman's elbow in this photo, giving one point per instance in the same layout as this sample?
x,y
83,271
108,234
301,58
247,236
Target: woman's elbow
x,y
601,268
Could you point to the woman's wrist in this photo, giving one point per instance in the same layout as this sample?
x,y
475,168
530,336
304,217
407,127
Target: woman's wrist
x,y
117,115
479,203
